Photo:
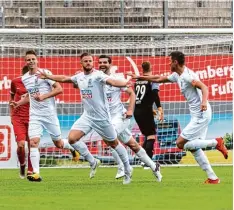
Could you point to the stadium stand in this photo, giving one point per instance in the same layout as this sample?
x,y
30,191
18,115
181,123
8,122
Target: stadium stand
x,y
117,14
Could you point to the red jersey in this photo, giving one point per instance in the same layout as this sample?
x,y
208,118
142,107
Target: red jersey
x,y
18,89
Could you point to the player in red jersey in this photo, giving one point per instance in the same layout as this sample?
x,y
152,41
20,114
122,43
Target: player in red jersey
x,y
20,120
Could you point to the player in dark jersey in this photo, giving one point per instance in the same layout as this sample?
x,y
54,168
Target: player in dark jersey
x,y
146,95
20,120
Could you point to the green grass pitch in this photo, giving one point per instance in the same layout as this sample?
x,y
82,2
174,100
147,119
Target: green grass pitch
x,y
182,189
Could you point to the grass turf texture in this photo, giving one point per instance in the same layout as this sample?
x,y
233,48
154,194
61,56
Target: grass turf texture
x,y
182,189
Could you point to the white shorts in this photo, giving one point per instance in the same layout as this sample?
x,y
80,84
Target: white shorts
x,y
121,126
104,128
50,123
197,127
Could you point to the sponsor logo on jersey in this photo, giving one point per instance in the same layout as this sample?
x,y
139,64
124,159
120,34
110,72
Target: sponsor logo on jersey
x,y
33,91
86,94
109,98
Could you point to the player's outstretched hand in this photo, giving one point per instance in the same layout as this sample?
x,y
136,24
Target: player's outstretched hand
x,y
134,76
14,104
203,106
158,114
128,114
38,97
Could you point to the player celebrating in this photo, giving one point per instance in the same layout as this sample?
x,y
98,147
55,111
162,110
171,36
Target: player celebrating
x,y
96,116
195,92
20,119
121,119
146,96
43,112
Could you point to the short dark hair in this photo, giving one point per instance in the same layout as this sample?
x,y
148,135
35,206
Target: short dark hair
x,y
106,56
179,56
24,70
146,66
84,54
30,52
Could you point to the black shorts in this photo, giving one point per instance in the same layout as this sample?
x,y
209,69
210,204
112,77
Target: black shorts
x,y
145,120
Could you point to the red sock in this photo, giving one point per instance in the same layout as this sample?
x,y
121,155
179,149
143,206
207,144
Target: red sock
x,y
21,155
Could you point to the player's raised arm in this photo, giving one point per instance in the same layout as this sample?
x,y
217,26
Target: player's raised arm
x,y
158,104
57,78
153,78
132,100
57,89
117,82
22,101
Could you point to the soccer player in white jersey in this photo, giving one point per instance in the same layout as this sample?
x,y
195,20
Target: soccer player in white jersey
x,y
96,116
195,92
43,114
120,118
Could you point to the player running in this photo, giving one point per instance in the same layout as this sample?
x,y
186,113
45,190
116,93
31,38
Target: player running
x,y
43,113
20,120
96,116
195,92
120,118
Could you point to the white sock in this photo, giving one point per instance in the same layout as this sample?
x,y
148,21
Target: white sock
x,y
146,159
117,158
82,148
123,154
200,144
35,159
204,163
66,145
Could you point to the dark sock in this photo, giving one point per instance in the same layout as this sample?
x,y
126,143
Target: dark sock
x,y
150,147
144,144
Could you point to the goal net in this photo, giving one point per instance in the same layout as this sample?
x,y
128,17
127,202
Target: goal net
x,y
209,54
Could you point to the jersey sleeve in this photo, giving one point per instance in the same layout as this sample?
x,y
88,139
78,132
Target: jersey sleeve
x,y
118,77
51,82
155,86
102,77
173,77
124,89
74,79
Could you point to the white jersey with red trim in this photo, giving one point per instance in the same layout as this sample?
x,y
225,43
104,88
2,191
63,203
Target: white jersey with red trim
x,y
192,94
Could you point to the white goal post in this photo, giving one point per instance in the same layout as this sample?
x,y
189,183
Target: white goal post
x,y
209,52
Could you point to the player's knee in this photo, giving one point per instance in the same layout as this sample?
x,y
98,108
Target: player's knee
x,y
112,144
74,136
58,144
133,145
179,144
72,139
34,143
21,144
